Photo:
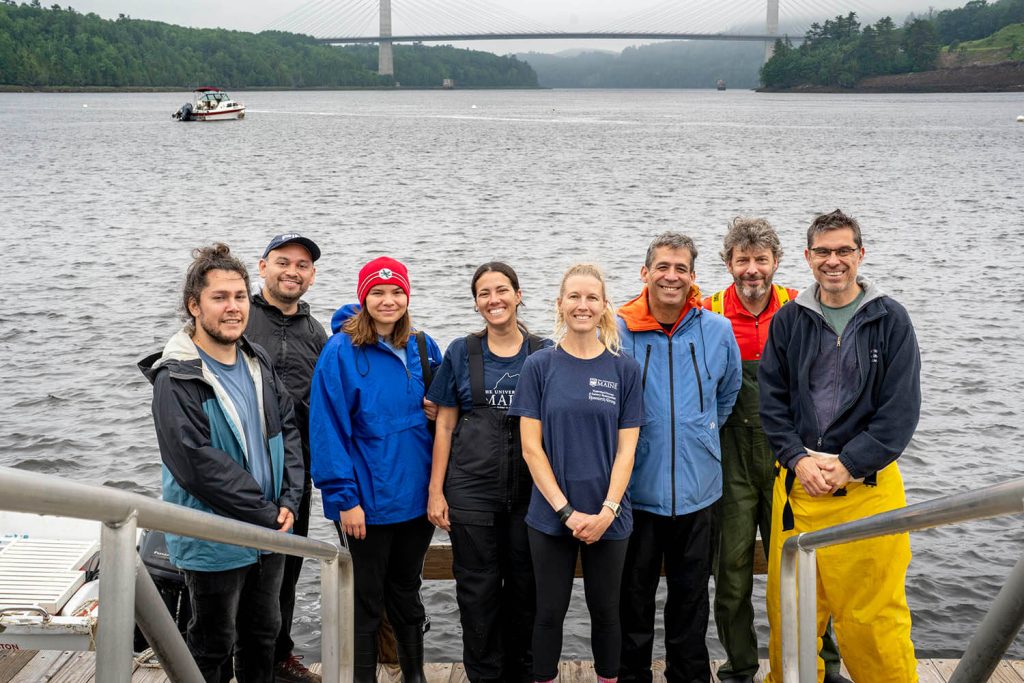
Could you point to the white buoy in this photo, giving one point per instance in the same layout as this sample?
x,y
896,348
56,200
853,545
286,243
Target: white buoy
x,y
85,106
1020,119
472,106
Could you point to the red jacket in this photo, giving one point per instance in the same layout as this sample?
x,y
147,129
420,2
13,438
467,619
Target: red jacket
x,y
751,332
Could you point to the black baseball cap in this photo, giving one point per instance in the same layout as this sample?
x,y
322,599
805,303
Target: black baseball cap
x,y
293,238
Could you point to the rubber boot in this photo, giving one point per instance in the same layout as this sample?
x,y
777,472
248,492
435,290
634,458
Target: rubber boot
x,y
365,663
410,653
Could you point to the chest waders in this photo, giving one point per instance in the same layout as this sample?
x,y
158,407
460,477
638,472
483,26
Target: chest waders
x,y
488,487
486,471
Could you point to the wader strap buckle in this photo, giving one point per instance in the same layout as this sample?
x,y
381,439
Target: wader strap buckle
x,y
787,512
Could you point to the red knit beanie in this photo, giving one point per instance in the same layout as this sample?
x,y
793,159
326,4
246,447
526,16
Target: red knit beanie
x,y
382,270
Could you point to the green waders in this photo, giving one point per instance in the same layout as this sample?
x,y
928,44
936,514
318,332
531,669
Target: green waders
x,y
748,476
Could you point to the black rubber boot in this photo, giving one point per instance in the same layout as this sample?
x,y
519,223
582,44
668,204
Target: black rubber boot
x,y
365,664
410,653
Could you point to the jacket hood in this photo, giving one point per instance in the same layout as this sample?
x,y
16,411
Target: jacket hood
x,y
341,315
637,312
180,354
179,348
809,297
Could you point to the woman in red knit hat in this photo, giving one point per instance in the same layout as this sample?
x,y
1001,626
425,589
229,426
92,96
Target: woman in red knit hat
x,y
371,455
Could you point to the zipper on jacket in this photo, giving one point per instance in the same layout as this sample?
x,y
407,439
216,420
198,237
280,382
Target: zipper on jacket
x,y
511,468
672,421
647,360
696,371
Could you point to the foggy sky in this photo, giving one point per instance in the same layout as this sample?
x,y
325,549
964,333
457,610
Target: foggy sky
x,y
572,15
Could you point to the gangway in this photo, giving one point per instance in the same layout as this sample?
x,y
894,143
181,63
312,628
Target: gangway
x,y
127,592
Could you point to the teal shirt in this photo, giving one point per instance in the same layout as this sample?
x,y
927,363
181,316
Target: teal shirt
x,y
838,318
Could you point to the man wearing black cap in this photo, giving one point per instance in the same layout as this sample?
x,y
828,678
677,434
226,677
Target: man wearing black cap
x,y
280,322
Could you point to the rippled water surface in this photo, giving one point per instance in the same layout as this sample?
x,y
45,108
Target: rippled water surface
x,y
103,196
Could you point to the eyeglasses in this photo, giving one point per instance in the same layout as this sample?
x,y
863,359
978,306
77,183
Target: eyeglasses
x,y
841,252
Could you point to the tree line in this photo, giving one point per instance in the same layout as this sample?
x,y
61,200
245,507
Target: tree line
x,y
61,47
840,52
676,64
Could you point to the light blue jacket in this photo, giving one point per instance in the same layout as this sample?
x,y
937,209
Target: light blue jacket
x,y
369,443
691,377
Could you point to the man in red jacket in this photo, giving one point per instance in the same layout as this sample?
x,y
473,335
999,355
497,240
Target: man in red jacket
x,y
751,252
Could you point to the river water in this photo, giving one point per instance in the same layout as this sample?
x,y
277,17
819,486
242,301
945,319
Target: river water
x,y
103,196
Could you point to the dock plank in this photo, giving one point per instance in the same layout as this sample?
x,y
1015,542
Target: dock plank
x,y
43,667
79,668
11,662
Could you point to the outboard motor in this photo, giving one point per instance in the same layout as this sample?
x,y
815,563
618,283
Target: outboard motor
x,y
169,580
185,113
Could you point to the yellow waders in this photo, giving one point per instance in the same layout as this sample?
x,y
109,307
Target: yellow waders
x,y
861,584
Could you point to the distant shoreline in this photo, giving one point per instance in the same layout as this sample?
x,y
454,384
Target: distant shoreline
x,y
186,89
1001,77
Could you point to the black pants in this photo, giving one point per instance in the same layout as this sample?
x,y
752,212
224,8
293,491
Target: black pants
x,y
496,594
554,566
292,567
388,567
239,609
684,543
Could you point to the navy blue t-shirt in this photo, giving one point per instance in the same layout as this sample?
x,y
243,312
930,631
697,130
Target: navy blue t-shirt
x,y
450,386
582,404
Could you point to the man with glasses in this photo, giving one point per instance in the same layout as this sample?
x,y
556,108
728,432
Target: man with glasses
x,y
840,399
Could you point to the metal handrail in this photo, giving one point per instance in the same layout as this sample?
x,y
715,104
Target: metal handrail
x,y
121,512
798,564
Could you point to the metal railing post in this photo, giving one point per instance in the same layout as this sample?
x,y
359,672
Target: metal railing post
x,y
788,603
996,632
807,604
116,622
330,620
161,632
337,620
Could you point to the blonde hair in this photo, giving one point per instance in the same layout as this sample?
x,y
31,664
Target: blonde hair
x,y
364,333
607,330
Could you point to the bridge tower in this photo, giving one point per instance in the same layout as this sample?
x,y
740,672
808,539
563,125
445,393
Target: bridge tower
x,y
771,27
385,59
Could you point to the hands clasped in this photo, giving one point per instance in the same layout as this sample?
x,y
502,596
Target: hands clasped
x,y
821,473
590,528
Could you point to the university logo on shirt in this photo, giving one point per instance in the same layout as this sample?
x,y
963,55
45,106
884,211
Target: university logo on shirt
x,y
501,394
603,390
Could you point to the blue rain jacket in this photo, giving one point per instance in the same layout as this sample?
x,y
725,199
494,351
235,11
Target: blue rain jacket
x,y
369,443
691,377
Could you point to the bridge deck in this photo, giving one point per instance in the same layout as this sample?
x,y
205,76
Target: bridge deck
x,y
80,667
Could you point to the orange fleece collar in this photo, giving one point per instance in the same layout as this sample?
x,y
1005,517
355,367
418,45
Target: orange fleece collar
x,y
637,312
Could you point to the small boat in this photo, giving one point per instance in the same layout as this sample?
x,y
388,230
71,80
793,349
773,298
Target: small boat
x,y
210,104
720,84
1020,119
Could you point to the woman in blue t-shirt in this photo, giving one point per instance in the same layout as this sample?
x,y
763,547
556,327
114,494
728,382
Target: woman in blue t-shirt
x,y
479,484
370,458
581,408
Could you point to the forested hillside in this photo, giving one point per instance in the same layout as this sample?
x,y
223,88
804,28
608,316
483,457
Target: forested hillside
x,y
840,52
677,64
64,48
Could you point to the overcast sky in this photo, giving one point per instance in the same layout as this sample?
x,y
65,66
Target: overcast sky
x,y
577,15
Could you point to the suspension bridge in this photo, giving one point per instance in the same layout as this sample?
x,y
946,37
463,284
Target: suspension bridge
x,y
339,22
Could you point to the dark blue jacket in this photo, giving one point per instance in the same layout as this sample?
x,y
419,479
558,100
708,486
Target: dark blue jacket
x,y
867,383
202,446
368,434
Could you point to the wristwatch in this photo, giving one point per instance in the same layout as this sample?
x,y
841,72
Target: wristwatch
x,y
565,513
613,506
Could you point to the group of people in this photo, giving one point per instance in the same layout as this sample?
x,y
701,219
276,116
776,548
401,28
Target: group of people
x,y
659,437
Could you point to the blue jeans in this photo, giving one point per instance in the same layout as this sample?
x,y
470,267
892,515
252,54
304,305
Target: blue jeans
x,y
236,611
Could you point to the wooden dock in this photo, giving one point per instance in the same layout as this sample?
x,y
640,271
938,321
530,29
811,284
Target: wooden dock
x,y
80,667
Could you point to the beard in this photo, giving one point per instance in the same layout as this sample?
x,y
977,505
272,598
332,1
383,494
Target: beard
x,y
274,287
753,290
214,333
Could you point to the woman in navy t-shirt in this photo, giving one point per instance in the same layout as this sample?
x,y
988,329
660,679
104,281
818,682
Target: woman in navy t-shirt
x,y
479,484
581,408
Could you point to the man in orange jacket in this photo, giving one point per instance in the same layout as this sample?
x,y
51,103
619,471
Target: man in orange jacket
x,y
751,252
